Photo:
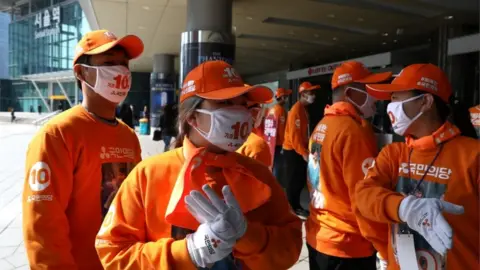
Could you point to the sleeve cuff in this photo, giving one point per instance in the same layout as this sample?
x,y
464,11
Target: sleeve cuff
x,y
180,255
253,241
392,203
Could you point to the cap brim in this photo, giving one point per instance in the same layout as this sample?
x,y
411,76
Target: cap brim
x,y
133,46
286,93
376,78
314,87
384,91
257,94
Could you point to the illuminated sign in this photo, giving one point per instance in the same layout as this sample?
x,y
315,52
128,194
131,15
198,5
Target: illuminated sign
x,y
47,22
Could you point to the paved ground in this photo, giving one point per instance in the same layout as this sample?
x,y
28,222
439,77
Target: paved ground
x,y
14,140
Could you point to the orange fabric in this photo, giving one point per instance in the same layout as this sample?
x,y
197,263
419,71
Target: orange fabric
x,y
137,236
425,77
100,41
475,118
281,116
454,177
257,148
296,130
218,80
444,133
192,178
67,165
341,149
353,71
307,86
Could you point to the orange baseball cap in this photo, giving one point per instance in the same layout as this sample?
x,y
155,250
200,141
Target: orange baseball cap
x,y
353,71
424,77
282,92
218,80
100,41
307,86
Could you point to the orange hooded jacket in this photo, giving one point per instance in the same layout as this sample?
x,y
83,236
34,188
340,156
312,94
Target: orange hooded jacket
x,y
296,130
341,149
74,165
453,177
136,234
257,148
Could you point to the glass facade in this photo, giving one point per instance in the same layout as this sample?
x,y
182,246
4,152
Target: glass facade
x,y
44,41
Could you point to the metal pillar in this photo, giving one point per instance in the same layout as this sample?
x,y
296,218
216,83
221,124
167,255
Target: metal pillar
x,y
41,96
64,92
208,35
162,86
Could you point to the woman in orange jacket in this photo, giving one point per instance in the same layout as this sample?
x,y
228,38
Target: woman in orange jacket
x,y
161,219
428,187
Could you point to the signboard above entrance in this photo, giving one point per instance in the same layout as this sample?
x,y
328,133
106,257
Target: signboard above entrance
x,y
47,22
376,60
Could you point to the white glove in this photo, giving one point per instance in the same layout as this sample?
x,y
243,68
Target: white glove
x,y
382,264
223,223
424,215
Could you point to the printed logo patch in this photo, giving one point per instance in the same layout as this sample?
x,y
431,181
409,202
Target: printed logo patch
x,y
40,176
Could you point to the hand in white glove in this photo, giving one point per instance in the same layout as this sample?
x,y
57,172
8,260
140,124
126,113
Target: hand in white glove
x,y
424,215
222,224
383,264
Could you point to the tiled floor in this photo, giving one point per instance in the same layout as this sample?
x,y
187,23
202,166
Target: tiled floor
x,y
14,140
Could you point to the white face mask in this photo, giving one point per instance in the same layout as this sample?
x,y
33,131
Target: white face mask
x,y
400,121
310,99
368,107
113,82
229,127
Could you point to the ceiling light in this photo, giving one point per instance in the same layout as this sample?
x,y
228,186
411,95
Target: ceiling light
x,y
385,34
395,41
146,7
334,38
331,16
360,19
449,17
316,35
249,18
384,43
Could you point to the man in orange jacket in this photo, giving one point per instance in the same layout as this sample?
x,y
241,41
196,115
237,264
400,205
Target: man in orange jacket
x,y
341,149
280,115
78,160
295,146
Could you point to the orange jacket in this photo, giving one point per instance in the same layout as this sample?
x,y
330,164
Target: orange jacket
x,y
281,116
341,150
296,130
73,165
453,177
257,148
137,236
475,118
